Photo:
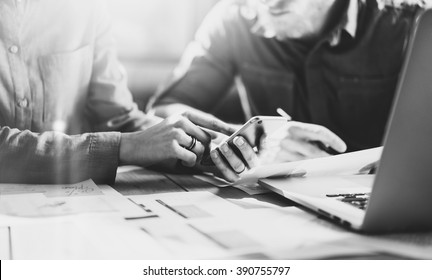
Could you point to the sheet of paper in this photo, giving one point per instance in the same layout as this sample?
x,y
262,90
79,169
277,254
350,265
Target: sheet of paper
x,y
215,181
252,188
181,240
192,183
171,225
267,230
186,205
349,163
133,181
5,243
363,246
38,205
85,188
254,203
127,208
84,237
291,233
409,245
330,250
188,232
24,200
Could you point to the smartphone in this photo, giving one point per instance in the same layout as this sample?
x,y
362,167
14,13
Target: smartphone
x,y
253,131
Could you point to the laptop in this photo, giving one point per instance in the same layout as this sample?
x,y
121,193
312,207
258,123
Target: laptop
x,y
398,198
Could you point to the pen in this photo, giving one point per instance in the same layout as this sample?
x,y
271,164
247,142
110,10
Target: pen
x,y
10,243
284,114
319,144
370,168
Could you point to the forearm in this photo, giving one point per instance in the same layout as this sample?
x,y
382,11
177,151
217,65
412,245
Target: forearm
x,y
52,157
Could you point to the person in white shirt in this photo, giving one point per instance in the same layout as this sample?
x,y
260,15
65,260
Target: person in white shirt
x,y
66,113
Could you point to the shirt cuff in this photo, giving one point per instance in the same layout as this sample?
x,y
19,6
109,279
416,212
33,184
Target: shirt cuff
x,y
104,156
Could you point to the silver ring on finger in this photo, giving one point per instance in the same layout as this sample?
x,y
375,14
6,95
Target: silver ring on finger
x,y
192,144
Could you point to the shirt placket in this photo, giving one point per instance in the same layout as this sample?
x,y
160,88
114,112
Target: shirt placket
x,y
316,98
317,93
19,73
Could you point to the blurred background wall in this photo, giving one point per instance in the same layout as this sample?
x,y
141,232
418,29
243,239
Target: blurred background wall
x,y
151,36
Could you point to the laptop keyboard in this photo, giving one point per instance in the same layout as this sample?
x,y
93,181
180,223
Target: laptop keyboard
x,y
359,200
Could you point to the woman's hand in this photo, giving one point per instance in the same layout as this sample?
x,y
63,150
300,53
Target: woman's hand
x,y
184,137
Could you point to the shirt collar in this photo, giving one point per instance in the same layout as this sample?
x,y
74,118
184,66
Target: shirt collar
x,y
352,16
349,23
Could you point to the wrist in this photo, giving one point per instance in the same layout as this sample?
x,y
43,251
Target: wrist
x,y
125,149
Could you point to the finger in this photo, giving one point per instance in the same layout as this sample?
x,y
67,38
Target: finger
x,y
190,143
187,157
193,130
225,170
233,160
198,150
318,133
219,139
214,134
210,122
247,151
183,138
302,147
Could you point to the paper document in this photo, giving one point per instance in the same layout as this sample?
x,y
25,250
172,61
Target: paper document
x,y
84,237
138,181
173,214
267,231
26,200
37,205
186,205
84,188
198,225
5,243
402,245
343,164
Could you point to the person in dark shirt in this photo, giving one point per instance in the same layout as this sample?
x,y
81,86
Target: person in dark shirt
x,y
332,65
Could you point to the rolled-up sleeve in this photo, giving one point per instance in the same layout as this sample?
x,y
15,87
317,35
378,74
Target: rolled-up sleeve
x,y
69,81
53,157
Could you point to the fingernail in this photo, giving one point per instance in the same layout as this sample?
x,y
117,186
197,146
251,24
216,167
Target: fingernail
x,y
225,148
239,141
214,155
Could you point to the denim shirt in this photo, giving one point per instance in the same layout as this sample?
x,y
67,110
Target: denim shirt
x,y
347,87
60,87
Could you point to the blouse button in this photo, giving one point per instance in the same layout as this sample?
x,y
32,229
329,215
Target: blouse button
x,y
23,103
13,49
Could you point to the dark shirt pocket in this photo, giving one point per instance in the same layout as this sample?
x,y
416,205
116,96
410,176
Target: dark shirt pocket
x,y
363,108
268,89
66,80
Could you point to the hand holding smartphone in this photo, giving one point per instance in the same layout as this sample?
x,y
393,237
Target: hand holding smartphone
x,y
253,131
